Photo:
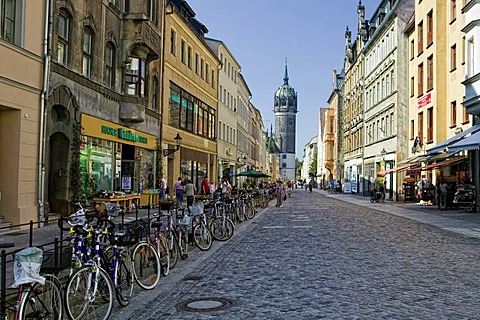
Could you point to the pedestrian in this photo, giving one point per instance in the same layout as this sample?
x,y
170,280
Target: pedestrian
x,y
443,192
190,192
179,189
280,193
163,188
205,186
226,186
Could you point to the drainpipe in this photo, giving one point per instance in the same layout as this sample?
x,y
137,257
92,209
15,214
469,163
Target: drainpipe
x,y
43,113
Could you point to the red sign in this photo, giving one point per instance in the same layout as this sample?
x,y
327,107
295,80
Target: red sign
x,y
423,101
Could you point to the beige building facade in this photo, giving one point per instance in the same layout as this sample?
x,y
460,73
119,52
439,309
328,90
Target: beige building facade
x,y
22,101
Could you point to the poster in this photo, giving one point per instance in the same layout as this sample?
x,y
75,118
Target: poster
x,y
126,182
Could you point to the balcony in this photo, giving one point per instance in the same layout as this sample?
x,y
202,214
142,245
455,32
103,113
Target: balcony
x,y
132,109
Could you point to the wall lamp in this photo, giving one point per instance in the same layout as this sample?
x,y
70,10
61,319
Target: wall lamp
x,y
169,151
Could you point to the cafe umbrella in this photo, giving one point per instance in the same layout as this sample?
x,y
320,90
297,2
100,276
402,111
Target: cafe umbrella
x,y
252,174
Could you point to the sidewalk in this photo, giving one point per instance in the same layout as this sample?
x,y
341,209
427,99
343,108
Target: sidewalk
x,y
457,221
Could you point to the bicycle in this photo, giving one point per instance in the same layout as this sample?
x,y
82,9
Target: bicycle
x,y
201,233
220,226
35,299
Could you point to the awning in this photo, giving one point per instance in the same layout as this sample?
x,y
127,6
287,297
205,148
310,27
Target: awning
x,y
384,172
444,145
414,159
439,164
470,143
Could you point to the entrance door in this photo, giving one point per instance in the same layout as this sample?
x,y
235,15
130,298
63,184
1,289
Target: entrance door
x,y
58,173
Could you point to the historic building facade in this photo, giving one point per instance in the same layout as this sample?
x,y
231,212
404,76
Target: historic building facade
x,y
386,111
190,81
227,109
285,110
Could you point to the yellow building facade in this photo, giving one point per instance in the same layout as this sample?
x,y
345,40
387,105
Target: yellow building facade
x,y
190,99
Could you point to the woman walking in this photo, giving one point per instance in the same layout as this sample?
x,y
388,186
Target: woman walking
x,y
280,193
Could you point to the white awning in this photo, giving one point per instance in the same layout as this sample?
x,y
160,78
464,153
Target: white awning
x,y
444,145
470,143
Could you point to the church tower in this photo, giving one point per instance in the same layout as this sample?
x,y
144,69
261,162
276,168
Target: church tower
x,y
285,109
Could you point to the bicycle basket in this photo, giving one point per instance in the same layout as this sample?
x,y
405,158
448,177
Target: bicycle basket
x,y
112,209
185,221
79,217
26,267
197,209
63,260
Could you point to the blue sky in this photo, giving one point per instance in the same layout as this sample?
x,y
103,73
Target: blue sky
x,y
262,33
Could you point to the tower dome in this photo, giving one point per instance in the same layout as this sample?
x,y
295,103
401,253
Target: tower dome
x,y
285,90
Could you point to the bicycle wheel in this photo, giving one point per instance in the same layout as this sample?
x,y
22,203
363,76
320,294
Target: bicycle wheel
x,y
173,249
181,237
146,265
89,294
164,255
42,301
202,237
221,228
125,279
250,211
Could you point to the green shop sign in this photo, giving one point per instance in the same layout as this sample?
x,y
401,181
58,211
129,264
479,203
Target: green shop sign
x,y
124,134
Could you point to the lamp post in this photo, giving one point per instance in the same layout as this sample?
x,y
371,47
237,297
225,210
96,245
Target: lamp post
x,y
169,151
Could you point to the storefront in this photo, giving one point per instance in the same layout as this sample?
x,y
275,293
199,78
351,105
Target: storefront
x,y
114,158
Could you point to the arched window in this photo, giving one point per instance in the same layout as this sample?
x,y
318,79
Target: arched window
x,y
110,65
87,52
63,45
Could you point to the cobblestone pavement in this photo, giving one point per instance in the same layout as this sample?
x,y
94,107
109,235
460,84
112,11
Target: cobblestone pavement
x,y
325,256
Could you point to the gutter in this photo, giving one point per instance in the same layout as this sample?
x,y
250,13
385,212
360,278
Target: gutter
x,y
43,113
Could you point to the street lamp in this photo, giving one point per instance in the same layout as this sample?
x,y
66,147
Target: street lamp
x,y
169,151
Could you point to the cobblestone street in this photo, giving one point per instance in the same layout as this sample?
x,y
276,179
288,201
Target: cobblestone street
x,y
318,257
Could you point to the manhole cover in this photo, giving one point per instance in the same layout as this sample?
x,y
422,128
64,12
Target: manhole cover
x,y
205,304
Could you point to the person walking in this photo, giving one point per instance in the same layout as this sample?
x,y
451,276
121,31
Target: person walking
x,y
163,188
443,192
179,189
280,193
205,186
190,192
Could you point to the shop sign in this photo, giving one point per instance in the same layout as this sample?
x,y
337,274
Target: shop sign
x,y
102,129
124,134
423,101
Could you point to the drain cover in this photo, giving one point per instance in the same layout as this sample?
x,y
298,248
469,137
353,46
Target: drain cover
x,y
205,304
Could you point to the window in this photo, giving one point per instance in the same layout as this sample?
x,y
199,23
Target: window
x,y
207,76
183,57
453,57
202,68
87,53
197,63
430,73
420,126
173,42
190,113
392,80
284,156
420,37
11,13
110,65
154,105
152,11
453,113
466,117
63,46
189,57
284,165
412,86
213,78
463,50
453,10
430,125
420,79
470,58
412,129
412,49
429,28
135,77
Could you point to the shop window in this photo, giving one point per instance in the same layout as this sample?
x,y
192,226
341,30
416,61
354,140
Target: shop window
x,y
135,77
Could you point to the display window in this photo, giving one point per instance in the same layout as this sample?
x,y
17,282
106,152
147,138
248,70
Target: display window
x,y
97,164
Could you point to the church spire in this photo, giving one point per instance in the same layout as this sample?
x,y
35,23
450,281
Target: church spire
x,y
285,77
